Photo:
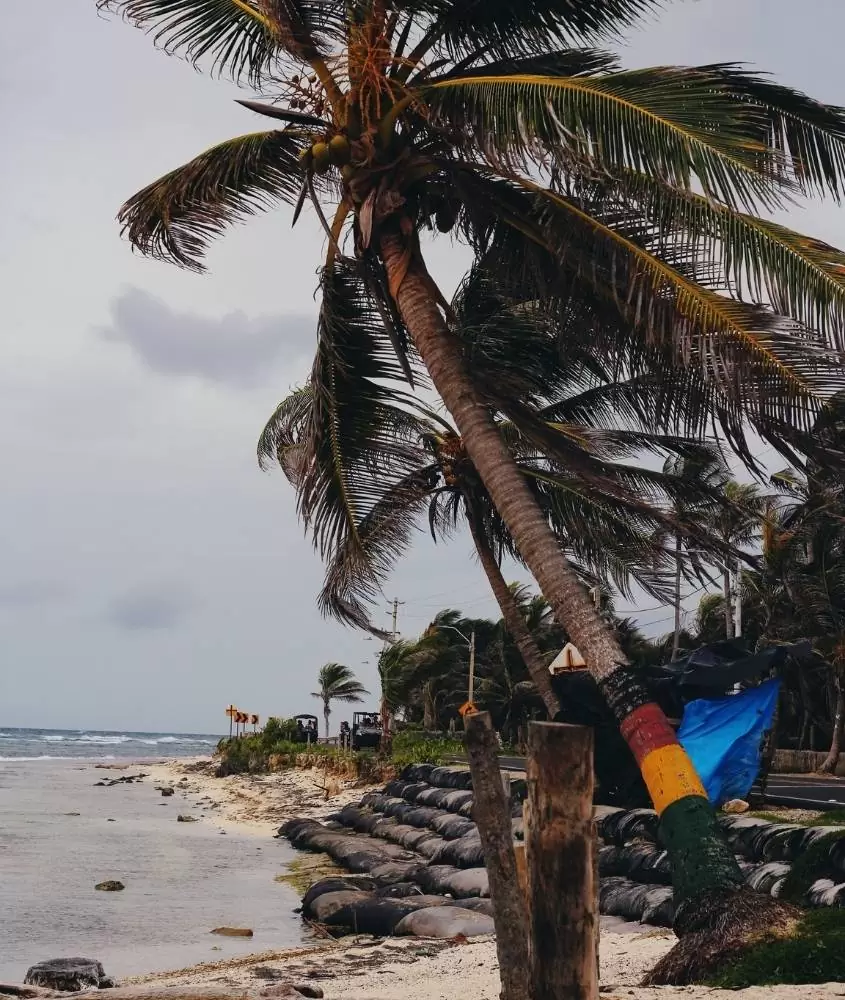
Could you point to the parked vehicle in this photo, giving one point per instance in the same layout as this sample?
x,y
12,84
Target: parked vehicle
x,y
306,729
366,730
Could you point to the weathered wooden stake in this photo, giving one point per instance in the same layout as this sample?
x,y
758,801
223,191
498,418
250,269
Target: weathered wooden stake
x,y
560,847
492,814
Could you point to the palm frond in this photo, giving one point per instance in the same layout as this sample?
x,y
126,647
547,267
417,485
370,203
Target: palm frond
x,y
753,257
238,37
810,135
242,39
459,27
682,124
176,217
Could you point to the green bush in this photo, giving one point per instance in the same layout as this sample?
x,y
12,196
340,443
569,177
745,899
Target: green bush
x,y
415,747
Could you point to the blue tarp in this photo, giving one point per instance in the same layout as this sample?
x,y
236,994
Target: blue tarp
x,y
723,738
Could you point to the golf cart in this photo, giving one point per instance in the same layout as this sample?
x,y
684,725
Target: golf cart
x,y
366,731
306,729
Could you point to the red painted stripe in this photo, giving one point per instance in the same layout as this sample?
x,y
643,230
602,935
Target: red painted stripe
x,y
647,729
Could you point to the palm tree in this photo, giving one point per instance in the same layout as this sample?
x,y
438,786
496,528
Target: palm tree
x,y
707,468
363,487
736,524
635,191
337,683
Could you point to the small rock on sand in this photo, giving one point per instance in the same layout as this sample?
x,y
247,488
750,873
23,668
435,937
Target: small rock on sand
x,y
166,793
110,885
182,818
245,932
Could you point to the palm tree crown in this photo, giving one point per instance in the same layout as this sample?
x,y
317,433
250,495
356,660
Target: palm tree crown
x,y
337,683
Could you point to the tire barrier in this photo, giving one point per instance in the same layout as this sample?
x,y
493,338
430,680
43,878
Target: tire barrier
x,y
417,865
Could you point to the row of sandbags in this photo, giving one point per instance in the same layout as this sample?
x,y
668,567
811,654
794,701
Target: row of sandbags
x,y
362,904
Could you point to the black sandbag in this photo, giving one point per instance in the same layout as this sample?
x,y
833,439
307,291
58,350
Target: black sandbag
x,y
741,833
399,890
475,903
660,909
348,883
325,906
647,864
467,882
638,824
768,877
368,799
395,788
396,808
361,820
381,803
373,914
418,772
611,861
421,816
456,798
450,777
607,822
451,827
464,853
466,809
620,897
434,797
433,878
391,872
415,788
431,846
445,923
826,892
836,855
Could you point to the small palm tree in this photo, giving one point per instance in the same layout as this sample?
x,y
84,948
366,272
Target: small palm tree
x,y
337,683
708,468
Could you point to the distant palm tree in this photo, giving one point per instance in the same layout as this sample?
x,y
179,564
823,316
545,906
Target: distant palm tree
x,y
737,525
337,683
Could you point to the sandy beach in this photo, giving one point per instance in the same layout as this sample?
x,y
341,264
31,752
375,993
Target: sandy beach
x,y
364,967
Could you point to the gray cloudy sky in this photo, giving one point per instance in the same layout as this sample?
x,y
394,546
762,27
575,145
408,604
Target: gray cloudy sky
x,y
149,573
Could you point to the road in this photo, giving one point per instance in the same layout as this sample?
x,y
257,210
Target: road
x,y
823,793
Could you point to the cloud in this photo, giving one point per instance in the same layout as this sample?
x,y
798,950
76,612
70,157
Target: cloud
x,y
151,607
29,593
234,350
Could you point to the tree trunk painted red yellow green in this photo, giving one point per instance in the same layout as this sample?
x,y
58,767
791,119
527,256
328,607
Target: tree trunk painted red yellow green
x,y
701,859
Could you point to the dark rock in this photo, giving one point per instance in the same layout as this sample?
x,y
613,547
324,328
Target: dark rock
x,y
233,931
69,975
166,793
306,990
110,885
265,972
186,819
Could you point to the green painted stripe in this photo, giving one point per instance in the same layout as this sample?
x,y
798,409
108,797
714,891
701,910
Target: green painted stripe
x,y
700,856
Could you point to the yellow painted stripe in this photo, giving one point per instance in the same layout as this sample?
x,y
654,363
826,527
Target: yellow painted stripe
x,y
669,776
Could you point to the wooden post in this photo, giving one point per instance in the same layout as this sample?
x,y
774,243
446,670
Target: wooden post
x,y
560,847
492,813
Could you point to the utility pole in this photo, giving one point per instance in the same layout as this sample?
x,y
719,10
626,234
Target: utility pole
x,y
394,632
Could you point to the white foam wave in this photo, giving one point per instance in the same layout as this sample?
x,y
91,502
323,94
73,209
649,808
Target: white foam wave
x,y
47,756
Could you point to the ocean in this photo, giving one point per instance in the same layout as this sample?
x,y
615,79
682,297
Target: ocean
x,y
61,833
92,744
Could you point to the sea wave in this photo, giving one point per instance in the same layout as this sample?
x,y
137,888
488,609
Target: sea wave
x,y
47,756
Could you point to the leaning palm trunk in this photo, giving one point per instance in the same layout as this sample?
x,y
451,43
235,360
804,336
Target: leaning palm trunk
x,y
702,861
515,623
